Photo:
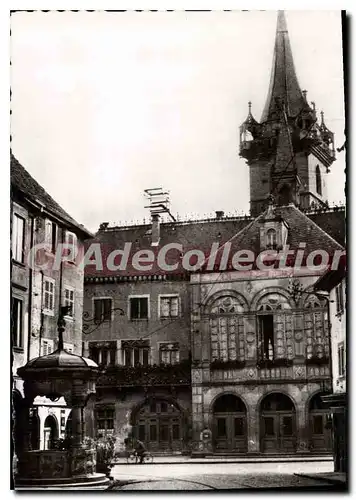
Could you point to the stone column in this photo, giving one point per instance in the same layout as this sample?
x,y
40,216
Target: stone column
x,y
77,426
24,423
253,430
302,429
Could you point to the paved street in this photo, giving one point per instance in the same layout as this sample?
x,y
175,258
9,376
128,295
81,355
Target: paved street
x,y
205,476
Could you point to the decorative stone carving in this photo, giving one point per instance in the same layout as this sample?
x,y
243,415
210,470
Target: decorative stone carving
x,y
197,376
299,371
250,337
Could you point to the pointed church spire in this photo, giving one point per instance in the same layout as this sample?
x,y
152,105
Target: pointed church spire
x,y
284,87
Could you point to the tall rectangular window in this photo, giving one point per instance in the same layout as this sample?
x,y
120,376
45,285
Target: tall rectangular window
x,y
71,241
136,352
267,336
102,310
69,300
169,353
18,238
341,359
105,419
138,307
51,235
48,296
17,323
169,306
339,299
47,347
103,353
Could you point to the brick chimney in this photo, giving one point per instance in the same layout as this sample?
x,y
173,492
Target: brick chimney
x,y
219,214
155,236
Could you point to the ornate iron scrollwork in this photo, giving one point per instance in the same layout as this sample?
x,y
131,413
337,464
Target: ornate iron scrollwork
x,y
91,323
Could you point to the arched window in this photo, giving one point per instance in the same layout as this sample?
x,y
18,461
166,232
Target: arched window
x,y
318,180
275,327
227,330
271,238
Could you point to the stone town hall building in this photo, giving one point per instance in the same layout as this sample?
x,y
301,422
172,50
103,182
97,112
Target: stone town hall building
x,y
238,357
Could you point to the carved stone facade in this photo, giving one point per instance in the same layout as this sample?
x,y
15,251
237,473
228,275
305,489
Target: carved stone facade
x,y
276,364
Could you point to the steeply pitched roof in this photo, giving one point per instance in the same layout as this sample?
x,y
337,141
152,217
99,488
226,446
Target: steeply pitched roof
x,y
242,232
191,235
284,82
23,182
301,229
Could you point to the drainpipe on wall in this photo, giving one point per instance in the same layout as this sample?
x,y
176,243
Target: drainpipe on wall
x,y
30,281
42,315
61,277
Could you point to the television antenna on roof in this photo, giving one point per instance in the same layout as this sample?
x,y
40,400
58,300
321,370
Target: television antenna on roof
x,y
159,202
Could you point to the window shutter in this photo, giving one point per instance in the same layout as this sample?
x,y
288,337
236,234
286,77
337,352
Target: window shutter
x,y
279,338
48,232
97,310
107,309
164,307
174,306
143,308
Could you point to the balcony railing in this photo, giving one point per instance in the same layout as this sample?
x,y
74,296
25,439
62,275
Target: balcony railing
x,y
143,376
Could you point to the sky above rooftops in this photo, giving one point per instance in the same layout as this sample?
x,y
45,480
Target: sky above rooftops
x,y
105,105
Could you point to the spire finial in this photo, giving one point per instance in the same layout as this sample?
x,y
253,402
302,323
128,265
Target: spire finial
x,y
322,117
305,92
281,22
249,106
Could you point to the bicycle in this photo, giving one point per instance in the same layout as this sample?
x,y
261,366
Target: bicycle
x,y
134,458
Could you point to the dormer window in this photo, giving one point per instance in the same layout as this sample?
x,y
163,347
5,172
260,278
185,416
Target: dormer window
x,y
271,238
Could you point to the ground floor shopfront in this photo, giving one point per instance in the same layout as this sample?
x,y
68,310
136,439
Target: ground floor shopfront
x,y
160,418
236,420
266,419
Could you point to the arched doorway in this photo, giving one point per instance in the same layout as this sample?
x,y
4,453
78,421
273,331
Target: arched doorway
x,y
230,430
159,424
277,424
50,432
320,431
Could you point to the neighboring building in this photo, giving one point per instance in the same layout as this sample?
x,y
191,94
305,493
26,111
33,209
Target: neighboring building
x,y
250,358
37,295
334,282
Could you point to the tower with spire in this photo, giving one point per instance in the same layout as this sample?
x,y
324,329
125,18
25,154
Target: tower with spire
x,y
288,151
